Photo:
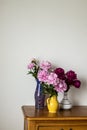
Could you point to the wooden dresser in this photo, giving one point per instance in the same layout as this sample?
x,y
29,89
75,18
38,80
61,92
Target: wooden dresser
x,y
74,119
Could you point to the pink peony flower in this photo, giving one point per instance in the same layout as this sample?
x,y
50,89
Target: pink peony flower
x,y
42,75
45,65
52,79
61,86
30,66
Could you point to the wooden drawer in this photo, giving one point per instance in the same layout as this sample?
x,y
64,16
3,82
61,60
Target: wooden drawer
x,y
61,128
61,125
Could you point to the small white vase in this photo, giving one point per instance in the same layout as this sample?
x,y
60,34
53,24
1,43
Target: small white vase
x,y
65,103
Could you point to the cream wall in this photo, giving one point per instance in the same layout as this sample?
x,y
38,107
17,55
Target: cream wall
x,y
54,30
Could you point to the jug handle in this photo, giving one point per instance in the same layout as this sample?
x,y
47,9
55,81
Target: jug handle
x,y
48,100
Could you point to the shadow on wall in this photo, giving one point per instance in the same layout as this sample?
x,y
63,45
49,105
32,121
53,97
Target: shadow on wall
x,y
78,95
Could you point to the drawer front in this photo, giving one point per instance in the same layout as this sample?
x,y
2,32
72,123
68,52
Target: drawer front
x,y
62,128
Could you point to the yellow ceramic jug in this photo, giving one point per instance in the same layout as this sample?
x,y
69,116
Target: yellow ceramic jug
x,y
52,104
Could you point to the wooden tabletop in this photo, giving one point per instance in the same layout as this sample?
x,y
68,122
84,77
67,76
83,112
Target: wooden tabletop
x,y
77,112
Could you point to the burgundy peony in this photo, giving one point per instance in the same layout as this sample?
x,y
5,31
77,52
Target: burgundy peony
x,y
70,77
76,83
60,73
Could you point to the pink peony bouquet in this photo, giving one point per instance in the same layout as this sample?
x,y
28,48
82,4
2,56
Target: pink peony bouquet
x,y
48,77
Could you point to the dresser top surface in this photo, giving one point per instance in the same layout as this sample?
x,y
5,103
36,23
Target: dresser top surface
x,y
77,112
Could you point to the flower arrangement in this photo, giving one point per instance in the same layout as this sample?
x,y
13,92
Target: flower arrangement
x,y
48,78
70,78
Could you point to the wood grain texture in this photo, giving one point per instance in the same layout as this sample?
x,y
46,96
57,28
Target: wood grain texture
x,y
74,119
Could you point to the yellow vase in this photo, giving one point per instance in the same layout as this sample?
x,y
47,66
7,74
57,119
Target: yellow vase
x,y
52,104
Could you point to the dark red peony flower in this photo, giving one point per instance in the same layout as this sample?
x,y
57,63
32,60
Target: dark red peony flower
x,y
60,73
76,83
71,75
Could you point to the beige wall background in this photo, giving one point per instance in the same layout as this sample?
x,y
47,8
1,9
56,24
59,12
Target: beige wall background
x,y
54,30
